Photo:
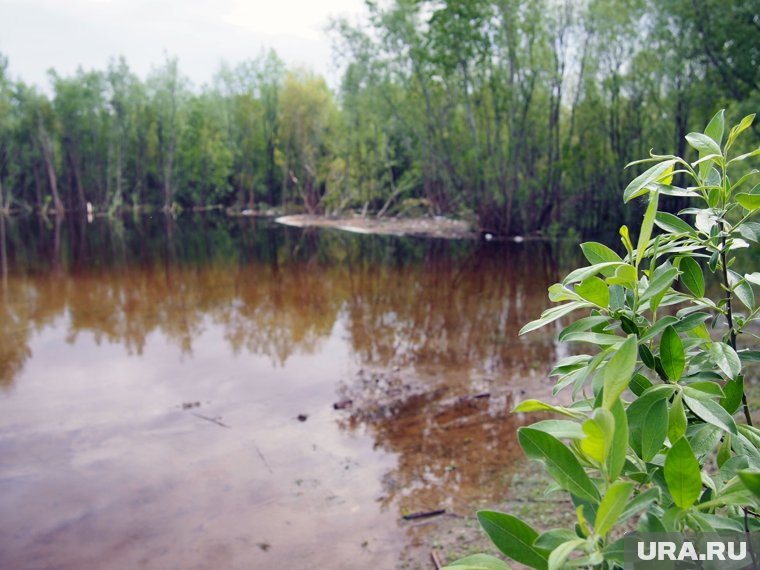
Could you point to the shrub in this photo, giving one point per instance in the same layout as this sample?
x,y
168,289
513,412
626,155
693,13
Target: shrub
x,y
650,439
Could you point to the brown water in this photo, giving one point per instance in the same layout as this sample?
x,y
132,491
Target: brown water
x,y
152,374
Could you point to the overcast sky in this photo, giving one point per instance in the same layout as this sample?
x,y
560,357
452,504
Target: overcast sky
x,y
39,34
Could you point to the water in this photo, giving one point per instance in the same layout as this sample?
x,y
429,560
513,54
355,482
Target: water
x,y
167,390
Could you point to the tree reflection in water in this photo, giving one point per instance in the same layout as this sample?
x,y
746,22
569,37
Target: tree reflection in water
x,y
437,319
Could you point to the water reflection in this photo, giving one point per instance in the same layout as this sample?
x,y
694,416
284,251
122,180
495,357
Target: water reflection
x,y
106,329
274,291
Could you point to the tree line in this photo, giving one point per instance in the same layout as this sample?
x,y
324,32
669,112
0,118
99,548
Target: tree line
x,y
519,115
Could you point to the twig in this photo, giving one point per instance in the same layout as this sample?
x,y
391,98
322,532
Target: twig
x,y
212,420
264,459
436,560
423,514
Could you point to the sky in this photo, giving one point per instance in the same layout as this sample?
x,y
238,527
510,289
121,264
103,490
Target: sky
x,y
36,35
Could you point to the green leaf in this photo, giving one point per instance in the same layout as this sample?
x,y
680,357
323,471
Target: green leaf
x,y
749,202
595,338
599,430
734,390
716,127
712,413
692,276
672,354
539,406
552,314
660,283
583,273
618,371
682,474
594,290
615,552
743,124
514,538
612,505
704,144
725,358
551,539
599,253
677,419
753,278
648,421
646,226
742,289
619,447
625,275
561,429
559,461
639,503
559,555
582,325
673,224
640,184
751,480
478,562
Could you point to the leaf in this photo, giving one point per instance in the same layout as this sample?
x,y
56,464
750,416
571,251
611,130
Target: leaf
x,y
479,562
625,275
551,539
595,338
551,315
539,406
682,474
751,480
692,276
559,555
646,226
703,143
750,231
744,156
659,284
599,430
612,505
594,290
672,354
742,289
734,390
703,389
561,429
648,421
559,461
640,502
673,224
599,253
712,413
716,127
585,272
639,184
514,538
581,325
753,278
618,371
725,358
677,419
619,447
749,202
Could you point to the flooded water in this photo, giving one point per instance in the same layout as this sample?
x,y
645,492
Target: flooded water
x,y
168,390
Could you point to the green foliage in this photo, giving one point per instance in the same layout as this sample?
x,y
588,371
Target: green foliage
x,y
651,432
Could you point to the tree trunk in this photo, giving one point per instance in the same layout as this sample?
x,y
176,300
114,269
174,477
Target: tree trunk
x,y
46,145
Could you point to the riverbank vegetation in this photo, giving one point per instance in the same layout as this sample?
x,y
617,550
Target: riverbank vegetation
x,y
488,110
